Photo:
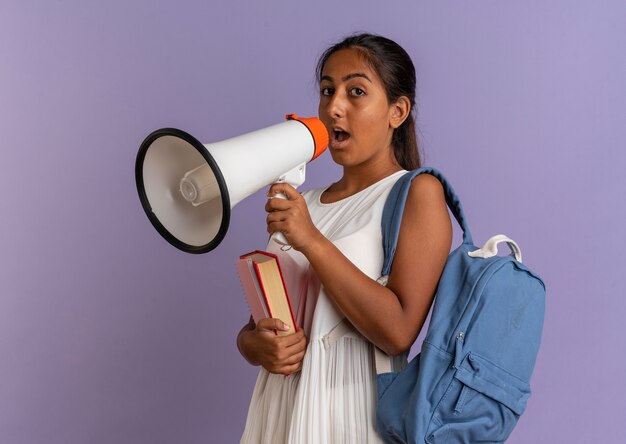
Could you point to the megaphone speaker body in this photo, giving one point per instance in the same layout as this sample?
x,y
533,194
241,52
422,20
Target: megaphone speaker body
x,y
187,188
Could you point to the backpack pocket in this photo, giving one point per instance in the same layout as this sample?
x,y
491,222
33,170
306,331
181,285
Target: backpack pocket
x,y
482,404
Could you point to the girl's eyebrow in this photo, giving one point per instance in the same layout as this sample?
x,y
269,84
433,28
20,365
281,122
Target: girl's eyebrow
x,y
348,77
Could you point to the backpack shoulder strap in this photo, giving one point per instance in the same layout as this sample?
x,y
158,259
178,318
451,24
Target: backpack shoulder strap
x,y
391,220
394,209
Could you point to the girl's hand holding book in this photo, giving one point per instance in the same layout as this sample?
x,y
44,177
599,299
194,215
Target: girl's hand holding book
x,y
260,345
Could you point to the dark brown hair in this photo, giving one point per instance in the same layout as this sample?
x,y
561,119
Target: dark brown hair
x,y
395,68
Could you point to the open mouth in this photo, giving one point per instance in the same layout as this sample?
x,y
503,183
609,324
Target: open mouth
x,y
340,136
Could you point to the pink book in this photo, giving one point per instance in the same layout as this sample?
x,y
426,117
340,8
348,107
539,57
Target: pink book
x,y
264,288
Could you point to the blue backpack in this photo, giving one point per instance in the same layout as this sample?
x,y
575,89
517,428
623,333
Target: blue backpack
x,y
470,382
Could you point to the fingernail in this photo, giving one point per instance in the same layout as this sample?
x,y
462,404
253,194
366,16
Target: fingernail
x,y
285,327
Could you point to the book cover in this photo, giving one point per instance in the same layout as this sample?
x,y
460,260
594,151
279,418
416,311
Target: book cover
x,y
264,286
251,289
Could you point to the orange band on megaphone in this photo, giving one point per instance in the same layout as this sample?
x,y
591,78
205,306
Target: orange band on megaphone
x,y
317,129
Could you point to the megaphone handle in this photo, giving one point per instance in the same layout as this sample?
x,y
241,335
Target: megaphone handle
x,y
279,237
295,178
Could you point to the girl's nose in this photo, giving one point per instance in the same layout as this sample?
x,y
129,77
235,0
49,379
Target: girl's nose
x,y
336,106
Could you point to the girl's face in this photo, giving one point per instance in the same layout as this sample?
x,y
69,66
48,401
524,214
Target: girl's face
x,y
354,108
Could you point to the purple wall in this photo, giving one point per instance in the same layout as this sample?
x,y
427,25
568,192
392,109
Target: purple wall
x,y
109,335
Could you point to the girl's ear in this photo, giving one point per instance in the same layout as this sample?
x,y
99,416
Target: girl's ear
x,y
399,111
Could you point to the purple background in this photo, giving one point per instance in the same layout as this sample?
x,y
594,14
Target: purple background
x,y
110,335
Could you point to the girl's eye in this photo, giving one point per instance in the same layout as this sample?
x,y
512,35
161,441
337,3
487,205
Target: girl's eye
x,y
357,92
327,91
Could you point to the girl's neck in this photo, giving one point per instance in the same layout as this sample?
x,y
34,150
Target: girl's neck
x,y
356,179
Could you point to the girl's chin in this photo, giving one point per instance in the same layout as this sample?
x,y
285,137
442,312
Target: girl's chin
x,y
341,157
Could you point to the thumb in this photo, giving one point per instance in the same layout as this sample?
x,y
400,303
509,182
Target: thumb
x,y
272,324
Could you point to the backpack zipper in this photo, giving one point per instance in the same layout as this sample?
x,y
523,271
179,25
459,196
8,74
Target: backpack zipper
x,y
458,349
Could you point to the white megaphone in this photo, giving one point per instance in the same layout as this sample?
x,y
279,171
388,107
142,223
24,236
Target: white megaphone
x,y
187,189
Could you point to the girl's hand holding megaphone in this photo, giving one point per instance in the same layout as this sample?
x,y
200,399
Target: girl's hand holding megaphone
x,y
290,216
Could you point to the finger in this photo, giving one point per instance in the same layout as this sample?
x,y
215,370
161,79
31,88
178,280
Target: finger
x,y
293,340
296,338
294,359
297,349
286,357
272,324
274,217
287,190
283,221
277,205
285,227
287,342
286,370
290,369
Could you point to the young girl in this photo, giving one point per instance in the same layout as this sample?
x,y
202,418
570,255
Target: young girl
x,y
367,95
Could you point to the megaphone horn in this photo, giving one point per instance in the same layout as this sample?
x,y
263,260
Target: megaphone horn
x,y
187,188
